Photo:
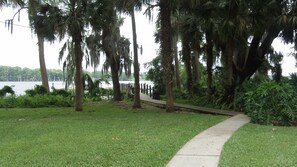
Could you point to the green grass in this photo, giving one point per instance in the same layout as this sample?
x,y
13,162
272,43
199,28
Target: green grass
x,y
102,135
261,146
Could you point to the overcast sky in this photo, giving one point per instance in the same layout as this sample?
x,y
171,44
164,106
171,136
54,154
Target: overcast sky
x,y
20,48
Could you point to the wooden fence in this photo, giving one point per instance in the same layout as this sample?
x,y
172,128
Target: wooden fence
x,y
144,88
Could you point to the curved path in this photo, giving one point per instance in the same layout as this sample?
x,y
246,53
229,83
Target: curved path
x,y
203,150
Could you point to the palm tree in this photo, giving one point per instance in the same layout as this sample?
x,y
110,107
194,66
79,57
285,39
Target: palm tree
x,y
71,18
42,32
107,38
166,43
165,11
117,51
128,6
32,7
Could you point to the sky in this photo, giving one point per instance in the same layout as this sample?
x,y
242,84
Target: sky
x,y
20,48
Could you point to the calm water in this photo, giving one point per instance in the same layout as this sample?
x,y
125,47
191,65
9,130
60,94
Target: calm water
x,y
20,87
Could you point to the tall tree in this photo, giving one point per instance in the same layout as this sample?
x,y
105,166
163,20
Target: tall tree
x,y
165,11
128,6
71,19
41,31
166,43
32,7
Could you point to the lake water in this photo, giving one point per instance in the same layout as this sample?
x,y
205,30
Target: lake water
x,y
20,87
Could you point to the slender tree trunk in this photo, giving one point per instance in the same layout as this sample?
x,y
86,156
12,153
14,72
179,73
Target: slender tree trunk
x,y
136,64
78,73
188,64
176,62
43,72
230,61
209,52
230,86
196,71
167,59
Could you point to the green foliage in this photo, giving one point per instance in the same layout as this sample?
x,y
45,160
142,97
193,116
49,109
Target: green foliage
x,y
103,135
180,94
272,103
38,97
156,73
37,90
93,89
35,102
61,92
6,89
293,81
248,85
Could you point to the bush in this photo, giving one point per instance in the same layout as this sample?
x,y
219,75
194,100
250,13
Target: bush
x,y
6,89
35,102
272,103
61,92
37,90
8,102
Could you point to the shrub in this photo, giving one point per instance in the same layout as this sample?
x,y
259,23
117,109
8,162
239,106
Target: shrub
x,y
61,92
8,102
37,90
6,89
272,103
35,102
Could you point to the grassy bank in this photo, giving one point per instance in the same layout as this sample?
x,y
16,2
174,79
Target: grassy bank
x,y
261,146
102,135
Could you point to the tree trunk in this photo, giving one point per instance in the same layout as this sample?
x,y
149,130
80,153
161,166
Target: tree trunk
x,y
196,70
256,54
117,96
230,62
167,59
136,64
176,62
78,73
43,72
230,87
209,64
187,60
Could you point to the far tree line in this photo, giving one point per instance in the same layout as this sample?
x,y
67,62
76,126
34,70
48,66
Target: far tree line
x,y
19,74
8,73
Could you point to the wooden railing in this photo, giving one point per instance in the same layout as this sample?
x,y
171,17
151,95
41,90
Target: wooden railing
x,y
144,88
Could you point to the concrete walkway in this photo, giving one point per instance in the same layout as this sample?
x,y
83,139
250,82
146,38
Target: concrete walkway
x,y
204,150
184,107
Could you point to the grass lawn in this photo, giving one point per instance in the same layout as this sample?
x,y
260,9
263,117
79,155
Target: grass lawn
x,y
261,146
103,135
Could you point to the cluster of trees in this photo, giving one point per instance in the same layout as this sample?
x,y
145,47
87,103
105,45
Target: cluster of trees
x,y
25,74
235,34
233,37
